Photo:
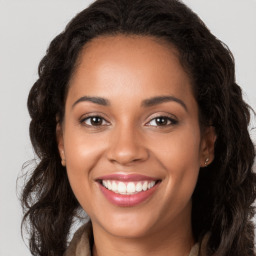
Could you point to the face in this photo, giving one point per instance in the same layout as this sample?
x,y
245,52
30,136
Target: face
x,y
131,138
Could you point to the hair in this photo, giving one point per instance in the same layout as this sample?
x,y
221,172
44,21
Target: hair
x,y
225,191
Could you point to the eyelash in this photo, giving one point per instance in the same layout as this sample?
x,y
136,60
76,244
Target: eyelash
x,y
91,118
168,121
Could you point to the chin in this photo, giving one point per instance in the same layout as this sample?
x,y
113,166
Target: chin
x,y
129,225
127,231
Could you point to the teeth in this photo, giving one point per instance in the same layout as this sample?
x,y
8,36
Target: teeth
x,y
151,184
145,186
128,188
114,187
105,183
121,188
109,184
139,187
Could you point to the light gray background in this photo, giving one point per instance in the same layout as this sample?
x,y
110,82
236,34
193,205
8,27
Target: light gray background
x,y
27,27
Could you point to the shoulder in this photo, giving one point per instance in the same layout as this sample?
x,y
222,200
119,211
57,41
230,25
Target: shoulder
x,y
200,248
80,244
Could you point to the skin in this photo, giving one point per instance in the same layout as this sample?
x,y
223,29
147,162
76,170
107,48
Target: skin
x,y
127,70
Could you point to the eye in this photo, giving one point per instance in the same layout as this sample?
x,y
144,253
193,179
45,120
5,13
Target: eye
x,y
162,121
94,121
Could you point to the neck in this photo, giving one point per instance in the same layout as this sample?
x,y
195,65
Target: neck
x,y
162,242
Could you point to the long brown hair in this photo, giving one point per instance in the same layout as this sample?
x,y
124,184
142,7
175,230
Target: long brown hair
x,y
225,192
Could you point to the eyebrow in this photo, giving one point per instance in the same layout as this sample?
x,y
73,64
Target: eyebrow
x,y
96,100
161,99
145,103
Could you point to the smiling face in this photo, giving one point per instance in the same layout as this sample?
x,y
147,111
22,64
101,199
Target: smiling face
x,y
131,137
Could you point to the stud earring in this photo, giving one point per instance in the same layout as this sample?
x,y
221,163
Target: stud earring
x,y
63,162
206,161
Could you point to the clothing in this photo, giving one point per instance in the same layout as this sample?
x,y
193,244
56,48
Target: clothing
x,y
83,240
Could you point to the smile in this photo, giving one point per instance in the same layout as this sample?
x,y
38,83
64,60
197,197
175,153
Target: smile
x,y
127,190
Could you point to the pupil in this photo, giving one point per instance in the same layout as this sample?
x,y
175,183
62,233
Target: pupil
x,y
96,121
161,121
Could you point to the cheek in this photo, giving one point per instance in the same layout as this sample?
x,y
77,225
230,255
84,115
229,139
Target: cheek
x,y
82,154
179,155
181,148
82,151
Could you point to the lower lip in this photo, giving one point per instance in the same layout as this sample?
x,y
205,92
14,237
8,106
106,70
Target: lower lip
x,y
127,200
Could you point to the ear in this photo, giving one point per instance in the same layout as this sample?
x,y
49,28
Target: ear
x,y
60,142
207,146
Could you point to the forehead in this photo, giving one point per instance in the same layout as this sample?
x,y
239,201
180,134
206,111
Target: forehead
x,y
128,49
122,63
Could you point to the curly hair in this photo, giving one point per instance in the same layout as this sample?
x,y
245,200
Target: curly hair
x,y
225,191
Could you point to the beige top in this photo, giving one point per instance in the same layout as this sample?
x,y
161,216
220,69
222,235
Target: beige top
x,y
83,238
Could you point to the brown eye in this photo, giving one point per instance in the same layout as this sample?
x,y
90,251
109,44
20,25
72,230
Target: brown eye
x,y
162,121
94,121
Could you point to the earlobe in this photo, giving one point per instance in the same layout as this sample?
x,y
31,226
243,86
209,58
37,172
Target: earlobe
x,y
206,161
207,146
60,142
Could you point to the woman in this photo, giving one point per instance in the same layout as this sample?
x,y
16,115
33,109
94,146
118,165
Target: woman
x,y
137,120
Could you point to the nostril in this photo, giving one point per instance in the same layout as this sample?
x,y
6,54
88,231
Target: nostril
x,y
127,155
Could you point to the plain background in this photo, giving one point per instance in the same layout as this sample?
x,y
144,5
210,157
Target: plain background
x,y
26,29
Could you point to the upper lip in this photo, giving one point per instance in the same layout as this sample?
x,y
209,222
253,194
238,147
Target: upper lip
x,y
126,177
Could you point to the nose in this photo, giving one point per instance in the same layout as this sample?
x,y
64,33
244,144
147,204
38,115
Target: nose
x,y
126,146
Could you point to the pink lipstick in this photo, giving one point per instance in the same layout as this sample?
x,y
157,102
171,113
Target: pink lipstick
x,y
127,190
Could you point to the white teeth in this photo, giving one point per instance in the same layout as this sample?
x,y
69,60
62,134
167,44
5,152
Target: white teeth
x,y
121,188
114,186
139,187
145,186
151,184
109,185
129,188
105,183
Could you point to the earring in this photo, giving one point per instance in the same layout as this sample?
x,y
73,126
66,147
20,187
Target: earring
x,y
63,162
206,161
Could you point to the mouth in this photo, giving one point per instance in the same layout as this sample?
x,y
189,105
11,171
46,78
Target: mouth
x,y
127,190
